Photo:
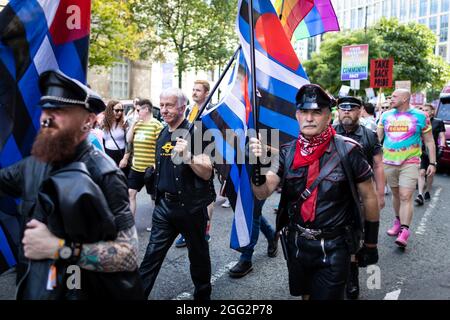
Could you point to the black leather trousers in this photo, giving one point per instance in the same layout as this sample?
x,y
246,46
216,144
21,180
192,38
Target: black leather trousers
x,y
170,219
318,268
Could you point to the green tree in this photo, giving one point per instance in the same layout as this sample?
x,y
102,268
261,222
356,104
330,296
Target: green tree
x,y
199,32
410,45
113,33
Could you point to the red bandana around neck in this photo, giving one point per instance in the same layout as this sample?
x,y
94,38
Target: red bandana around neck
x,y
308,153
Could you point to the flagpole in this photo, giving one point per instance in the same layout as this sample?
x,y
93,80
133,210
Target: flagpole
x,y
254,104
216,86
281,9
253,65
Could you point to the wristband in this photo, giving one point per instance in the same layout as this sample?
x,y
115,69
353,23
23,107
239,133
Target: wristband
x,y
371,231
61,243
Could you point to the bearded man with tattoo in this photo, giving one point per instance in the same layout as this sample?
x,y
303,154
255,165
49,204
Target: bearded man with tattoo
x,y
74,205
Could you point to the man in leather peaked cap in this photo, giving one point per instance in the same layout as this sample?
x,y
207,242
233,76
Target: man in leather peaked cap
x,y
74,207
318,216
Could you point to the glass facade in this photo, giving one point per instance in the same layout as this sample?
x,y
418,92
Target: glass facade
x,y
431,13
434,4
443,33
423,6
413,9
444,5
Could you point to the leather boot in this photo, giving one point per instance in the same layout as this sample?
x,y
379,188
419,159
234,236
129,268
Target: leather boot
x,y
240,269
352,288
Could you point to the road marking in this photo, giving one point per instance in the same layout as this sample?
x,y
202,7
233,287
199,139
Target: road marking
x,y
392,295
423,222
214,278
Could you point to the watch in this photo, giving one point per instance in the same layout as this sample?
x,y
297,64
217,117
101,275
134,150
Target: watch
x,y
65,252
433,164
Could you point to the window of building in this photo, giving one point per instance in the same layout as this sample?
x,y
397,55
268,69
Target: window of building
x,y
443,33
378,12
423,21
444,5
353,19
413,9
423,8
394,8
433,24
434,6
312,46
370,15
347,19
403,10
361,18
120,80
385,8
442,51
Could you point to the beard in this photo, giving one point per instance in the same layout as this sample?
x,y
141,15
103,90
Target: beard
x,y
55,147
348,122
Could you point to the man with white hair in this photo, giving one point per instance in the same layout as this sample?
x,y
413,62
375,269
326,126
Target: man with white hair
x,y
403,129
183,192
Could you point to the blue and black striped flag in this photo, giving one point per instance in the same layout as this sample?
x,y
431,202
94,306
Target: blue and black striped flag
x,y
279,74
35,36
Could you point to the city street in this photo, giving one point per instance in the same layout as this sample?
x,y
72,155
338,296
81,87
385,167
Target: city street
x,y
419,272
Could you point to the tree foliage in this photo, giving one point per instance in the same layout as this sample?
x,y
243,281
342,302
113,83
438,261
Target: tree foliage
x,y
200,33
114,35
410,45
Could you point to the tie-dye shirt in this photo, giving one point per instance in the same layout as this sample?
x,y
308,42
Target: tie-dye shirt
x,y
402,135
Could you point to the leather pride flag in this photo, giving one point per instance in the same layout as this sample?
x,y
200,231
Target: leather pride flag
x,y
35,36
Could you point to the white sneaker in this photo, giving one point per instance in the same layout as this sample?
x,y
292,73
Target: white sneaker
x,y
226,204
149,229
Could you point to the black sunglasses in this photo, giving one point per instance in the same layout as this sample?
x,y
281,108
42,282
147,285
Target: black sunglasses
x,y
118,110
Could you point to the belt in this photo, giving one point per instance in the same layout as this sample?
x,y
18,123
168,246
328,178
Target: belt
x,y
316,234
171,197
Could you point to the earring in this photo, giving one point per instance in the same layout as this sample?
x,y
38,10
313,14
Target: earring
x,y
86,127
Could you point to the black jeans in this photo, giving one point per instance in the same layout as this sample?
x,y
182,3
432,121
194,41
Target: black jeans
x,y
170,219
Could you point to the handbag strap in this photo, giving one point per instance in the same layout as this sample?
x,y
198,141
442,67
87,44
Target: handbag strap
x,y
114,140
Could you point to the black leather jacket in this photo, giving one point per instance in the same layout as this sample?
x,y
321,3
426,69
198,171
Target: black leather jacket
x,y
194,192
367,138
335,204
25,180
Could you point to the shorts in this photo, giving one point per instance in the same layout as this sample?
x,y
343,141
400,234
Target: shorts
x,y
405,175
136,180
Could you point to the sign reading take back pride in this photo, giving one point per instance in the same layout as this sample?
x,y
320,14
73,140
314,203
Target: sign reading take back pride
x,y
381,73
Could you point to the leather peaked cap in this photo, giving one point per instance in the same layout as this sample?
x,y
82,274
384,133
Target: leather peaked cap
x,y
347,103
312,96
58,90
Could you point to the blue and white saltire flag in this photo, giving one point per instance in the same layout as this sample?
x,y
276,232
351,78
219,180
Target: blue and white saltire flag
x,y
35,36
279,73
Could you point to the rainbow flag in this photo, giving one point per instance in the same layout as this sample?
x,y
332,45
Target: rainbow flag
x,y
303,19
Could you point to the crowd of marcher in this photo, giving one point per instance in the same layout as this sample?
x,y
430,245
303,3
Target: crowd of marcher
x,y
90,160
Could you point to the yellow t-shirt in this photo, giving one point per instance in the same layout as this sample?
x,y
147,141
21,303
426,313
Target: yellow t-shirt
x,y
144,144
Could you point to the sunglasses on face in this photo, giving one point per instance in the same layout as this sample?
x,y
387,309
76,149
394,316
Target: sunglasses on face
x,y
118,110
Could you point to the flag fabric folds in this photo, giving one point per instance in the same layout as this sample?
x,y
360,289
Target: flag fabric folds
x,y
35,36
319,18
228,122
279,74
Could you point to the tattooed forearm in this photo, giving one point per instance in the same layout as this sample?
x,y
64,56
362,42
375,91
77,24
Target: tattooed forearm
x,y
111,256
